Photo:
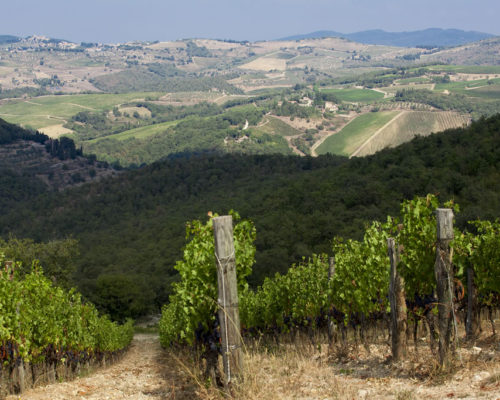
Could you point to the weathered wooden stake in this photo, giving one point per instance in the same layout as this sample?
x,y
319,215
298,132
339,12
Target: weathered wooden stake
x,y
472,325
20,367
397,298
331,325
444,282
228,298
331,267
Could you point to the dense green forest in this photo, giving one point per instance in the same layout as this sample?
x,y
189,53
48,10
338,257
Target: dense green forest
x,y
62,148
10,133
131,228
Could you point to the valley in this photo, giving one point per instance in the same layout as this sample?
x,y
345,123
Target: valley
x,y
101,95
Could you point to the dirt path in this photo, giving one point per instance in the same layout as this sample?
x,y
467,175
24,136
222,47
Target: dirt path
x,y
376,134
292,146
263,122
84,107
145,372
386,95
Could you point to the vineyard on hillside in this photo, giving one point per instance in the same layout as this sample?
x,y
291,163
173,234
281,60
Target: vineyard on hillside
x,y
349,290
409,125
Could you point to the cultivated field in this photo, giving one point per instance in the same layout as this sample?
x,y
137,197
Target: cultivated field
x,y
413,80
466,87
49,111
486,92
276,126
356,95
408,125
138,133
355,133
266,64
468,69
391,90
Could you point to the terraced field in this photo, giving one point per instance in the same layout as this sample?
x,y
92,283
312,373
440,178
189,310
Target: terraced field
x,y
407,126
468,88
355,95
467,69
138,133
486,92
392,90
413,80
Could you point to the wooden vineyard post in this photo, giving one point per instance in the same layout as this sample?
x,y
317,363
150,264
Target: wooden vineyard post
x,y
472,324
397,299
331,324
444,282
228,298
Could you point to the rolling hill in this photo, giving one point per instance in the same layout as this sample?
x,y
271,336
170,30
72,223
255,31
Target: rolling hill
x,y
9,39
433,37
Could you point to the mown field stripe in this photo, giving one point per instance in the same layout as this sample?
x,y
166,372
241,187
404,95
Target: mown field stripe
x,y
377,133
138,133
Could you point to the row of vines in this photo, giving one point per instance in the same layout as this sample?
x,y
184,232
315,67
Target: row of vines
x,y
306,296
41,323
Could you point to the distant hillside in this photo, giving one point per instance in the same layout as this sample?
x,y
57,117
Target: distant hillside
x,y
434,37
315,35
9,39
31,163
484,52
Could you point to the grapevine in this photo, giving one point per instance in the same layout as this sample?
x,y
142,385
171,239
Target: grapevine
x,y
305,296
193,304
41,322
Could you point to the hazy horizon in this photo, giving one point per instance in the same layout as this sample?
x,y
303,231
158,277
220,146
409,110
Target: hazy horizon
x,y
113,21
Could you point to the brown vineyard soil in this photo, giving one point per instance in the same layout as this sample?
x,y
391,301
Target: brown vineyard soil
x,y
294,369
145,372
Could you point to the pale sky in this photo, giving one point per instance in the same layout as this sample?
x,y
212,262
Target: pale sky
x,y
111,21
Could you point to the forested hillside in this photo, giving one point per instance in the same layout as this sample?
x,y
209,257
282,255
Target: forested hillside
x,y
32,163
131,228
427,37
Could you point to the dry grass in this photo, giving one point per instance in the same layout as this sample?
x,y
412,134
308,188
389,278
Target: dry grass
x,y
295,368
266,64
55,131
287,373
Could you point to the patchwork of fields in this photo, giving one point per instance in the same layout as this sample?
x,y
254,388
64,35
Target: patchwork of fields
x,y
46,111
381,106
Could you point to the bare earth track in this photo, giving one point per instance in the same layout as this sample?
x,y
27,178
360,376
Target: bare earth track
x,y
302,372
145,372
